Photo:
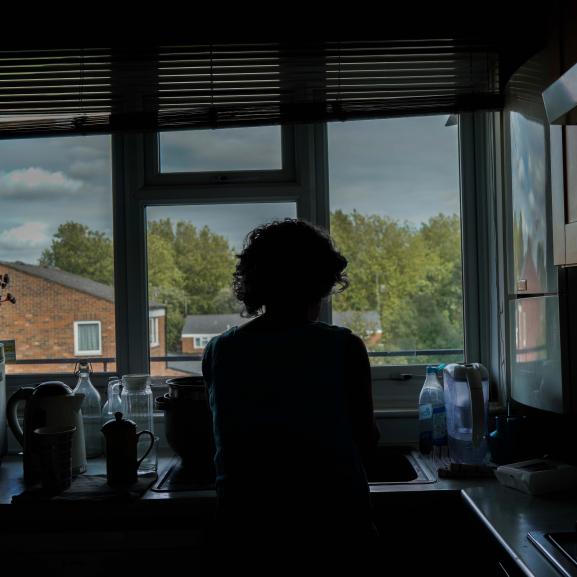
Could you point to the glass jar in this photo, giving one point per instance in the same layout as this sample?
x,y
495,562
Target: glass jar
x,y
137,405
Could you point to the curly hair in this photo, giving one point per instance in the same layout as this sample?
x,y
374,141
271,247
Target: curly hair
x,y
287,260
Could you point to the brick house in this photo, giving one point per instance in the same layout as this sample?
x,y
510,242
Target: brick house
x,y
60,315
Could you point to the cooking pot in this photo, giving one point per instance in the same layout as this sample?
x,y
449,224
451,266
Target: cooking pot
x,y
188,425
48,404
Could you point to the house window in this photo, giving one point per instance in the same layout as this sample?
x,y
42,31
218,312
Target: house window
x,y
153,332
201,342
87,338
395,214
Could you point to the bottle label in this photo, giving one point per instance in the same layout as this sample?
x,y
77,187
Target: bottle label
x,y
439,426
425,411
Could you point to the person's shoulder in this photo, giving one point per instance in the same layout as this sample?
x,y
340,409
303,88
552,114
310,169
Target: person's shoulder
x,y
342,334
334,329
218,340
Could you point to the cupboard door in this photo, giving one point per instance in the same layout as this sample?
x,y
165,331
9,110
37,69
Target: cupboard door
x,y
570,173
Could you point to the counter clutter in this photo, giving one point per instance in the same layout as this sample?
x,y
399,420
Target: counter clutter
x,y
505,516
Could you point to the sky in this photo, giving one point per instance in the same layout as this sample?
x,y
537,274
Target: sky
x,y
404,168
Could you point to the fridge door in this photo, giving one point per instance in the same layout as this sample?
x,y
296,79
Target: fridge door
x,y
531,258
535,353
526,151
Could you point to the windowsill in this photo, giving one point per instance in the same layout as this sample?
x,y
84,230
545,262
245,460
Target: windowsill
x,y
495,408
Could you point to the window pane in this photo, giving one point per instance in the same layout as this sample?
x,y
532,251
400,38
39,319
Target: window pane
x,y
56,246
395,214
191,258
225,149
88,337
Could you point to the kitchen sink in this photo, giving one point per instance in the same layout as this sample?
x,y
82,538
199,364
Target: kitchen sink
x,y
397,465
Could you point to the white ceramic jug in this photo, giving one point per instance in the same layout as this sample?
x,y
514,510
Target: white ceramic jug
x,y
48,404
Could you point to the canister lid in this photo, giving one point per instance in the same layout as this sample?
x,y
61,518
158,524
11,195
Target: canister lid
x,y
118,424
135,382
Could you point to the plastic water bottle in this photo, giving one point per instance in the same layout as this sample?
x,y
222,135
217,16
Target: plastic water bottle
x,y
432,417
90,409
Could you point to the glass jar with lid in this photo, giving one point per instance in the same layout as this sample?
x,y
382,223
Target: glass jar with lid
x,y
137,405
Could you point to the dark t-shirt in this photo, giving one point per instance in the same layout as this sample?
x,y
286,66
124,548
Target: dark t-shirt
x,y
283,428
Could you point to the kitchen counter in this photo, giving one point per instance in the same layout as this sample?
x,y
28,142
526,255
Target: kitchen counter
x,y
506,514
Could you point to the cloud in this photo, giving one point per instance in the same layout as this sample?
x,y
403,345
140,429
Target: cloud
x,y
30,234
36,183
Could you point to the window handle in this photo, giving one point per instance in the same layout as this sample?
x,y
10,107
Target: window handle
x,y
401,376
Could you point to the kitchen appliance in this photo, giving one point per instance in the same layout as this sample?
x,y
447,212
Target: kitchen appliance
x,y
533,288
188,424
467,409
559,547
48,404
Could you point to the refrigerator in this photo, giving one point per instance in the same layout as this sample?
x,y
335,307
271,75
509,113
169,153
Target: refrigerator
x,y
533,284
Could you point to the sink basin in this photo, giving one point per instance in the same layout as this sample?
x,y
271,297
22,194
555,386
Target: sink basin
x,y
397,465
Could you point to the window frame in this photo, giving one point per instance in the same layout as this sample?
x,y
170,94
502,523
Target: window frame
x,y
303,179
77,351
306,183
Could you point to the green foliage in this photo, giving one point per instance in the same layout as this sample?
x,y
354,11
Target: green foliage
x,y
189,269
411,276
75,248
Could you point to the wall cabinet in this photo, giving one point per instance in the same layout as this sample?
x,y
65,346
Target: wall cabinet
x,y
564,193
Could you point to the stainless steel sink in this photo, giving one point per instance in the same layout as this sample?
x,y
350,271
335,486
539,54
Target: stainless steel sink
x,y
398,465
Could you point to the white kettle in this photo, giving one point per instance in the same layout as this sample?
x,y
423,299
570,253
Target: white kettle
x,y
48,404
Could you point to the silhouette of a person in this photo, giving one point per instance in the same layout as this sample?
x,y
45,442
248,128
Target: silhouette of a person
x,y
292,405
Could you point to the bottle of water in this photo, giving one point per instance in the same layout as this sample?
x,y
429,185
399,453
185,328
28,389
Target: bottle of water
x,y
432,417
90,409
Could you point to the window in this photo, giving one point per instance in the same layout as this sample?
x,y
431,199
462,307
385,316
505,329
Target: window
x,y
190,260
395,214
56,244
201,342
228,149
153,332
87,338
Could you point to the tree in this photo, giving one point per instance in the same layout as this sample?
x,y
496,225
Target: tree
x,y
189,269
384,269
411,276
165,280
77,249
440,306
206,262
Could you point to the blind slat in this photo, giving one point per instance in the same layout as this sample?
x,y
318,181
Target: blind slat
x,y
241,84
